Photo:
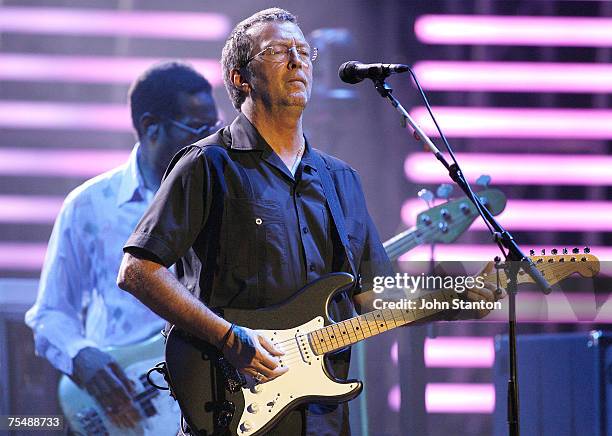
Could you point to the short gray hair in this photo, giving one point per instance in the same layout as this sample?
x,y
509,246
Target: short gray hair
x,y
239,46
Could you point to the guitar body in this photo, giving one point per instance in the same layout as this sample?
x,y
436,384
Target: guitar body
x,y
161,413
199,382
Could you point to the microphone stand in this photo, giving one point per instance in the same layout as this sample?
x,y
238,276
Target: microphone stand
x,y
515,259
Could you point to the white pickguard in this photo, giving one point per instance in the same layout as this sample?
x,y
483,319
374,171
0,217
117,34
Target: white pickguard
x,y
306,377
81,409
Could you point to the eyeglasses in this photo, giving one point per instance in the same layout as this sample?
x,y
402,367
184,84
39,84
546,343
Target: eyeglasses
x,y
280,53
202,131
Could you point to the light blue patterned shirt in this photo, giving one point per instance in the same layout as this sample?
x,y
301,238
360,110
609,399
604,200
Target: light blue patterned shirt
x,y
79,304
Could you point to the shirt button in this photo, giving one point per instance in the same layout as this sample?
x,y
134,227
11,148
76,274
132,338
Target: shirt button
x,y
258,221
312,267
305,230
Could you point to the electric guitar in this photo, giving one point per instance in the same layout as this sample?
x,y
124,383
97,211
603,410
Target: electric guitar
x,y
217,400
160,413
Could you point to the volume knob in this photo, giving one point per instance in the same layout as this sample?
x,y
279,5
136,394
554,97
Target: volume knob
x,y
253,408
256,389
246,426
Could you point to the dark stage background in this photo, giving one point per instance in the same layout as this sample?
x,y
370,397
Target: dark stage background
x,y
526,102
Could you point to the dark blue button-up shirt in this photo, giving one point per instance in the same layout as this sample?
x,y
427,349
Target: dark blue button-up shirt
x,y
245,233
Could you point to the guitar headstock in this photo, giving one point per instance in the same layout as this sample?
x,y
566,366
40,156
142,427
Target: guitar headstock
x,y
554,267
446,222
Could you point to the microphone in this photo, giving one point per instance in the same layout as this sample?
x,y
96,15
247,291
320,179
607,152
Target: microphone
x,y
354,71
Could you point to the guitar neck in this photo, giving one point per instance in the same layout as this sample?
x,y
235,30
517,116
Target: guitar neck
x,y
403,242
340,335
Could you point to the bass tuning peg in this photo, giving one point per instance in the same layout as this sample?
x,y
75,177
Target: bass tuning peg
x,y
427,196
484,180
444,191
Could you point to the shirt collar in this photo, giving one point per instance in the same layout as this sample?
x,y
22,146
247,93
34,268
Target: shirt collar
x,y
132,187
245,137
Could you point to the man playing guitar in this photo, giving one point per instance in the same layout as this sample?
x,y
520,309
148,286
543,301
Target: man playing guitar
x,y
248,217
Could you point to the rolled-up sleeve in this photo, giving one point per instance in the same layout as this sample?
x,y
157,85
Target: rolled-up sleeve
x,y
179,210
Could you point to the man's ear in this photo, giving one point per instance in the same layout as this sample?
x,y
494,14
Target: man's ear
x,y
149,125
239,81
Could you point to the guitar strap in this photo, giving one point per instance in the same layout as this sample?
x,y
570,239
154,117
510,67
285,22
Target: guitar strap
x,y
334,207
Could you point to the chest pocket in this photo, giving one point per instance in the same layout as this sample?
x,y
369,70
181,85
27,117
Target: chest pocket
x,y
255,235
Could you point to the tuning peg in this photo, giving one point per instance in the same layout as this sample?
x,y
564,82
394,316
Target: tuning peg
x,y
575,250
425,219
565,251
444,191
554,251
427,196
543,251
484,180
587,250
531,252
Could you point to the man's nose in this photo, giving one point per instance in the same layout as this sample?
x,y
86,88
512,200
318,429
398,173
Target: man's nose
x,y
295,60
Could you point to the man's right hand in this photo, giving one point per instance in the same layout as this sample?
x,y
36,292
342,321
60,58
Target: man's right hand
x,y
253,354
103,378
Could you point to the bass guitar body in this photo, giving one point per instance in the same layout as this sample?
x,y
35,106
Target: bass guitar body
x,y
160,413
217,400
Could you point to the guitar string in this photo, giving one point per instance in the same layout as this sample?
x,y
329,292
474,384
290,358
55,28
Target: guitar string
x,y
337,345
547,267
292,352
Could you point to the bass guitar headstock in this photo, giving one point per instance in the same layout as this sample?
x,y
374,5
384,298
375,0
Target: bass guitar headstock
x,y
446,222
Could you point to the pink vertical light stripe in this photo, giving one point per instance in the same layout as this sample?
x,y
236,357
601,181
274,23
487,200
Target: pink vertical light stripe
x,y
459,398
519,169
514,76
145,24
459,352
514,30
470,122
89,69
78,116
29,209
59,162
539,215
22,256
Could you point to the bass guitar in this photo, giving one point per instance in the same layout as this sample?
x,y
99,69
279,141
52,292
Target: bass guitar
x,y
160,413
